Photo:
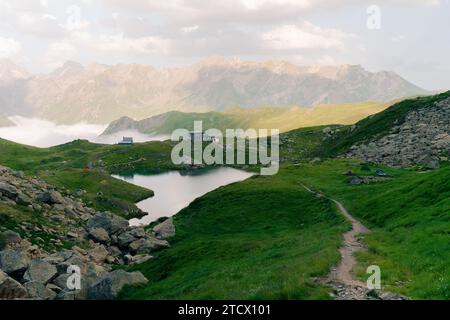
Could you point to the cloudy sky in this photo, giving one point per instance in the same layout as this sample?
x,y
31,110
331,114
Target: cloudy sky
x,y
410,37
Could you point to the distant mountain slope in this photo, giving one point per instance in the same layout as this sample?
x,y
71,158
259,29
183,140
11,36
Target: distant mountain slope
x,y
284,119
100,94
414,131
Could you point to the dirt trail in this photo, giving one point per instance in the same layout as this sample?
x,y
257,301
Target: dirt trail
x,y
340,277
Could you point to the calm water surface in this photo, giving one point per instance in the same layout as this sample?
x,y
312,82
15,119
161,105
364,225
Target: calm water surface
x,y
175,191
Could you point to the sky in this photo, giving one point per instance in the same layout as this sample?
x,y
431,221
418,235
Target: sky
x,y
410,37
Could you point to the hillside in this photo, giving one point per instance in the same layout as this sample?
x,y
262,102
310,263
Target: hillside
x,y
238,243
413,131
101,94
284,119
408,216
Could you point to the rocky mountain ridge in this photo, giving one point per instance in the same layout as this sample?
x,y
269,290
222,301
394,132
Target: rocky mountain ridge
x,y
100,94
422,139
58,231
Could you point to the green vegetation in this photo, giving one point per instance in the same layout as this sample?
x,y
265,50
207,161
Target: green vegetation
x,y
376,125
409,218
81,165
267,238
284,119
264,238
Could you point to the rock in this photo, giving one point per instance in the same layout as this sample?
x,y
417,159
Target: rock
x,y
98,254
23,199
12,261
149,245
8,190
390,296
40,271
132,260
106,220
72,235
355,181
37,290
138,232
108,287
99,235
10,238
10,288
165,230
124,239
51,197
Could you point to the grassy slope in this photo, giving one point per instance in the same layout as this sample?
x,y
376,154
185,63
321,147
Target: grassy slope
x,y
410,220
64,167
284,119
239,243
376,125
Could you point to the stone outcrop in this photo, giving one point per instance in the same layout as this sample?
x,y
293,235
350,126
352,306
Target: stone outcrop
x,y
100,241
423,139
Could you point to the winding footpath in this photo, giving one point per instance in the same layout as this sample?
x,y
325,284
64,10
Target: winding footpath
x,y
340,277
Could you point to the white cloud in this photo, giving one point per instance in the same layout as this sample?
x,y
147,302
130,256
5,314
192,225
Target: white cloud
x,y
306,36
119,43
58,53
10,48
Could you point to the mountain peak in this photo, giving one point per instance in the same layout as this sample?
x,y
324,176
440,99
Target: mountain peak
x,y
68,66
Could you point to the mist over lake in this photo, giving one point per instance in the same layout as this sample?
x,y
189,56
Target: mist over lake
x,y
43,133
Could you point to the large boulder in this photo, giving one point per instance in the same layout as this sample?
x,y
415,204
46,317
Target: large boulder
x,y
8,190
165,230
98,254
99,235
40,271
10,238
107,221
124,239
51,197
37,290
23,199
12,261
10,288
149,245
108,287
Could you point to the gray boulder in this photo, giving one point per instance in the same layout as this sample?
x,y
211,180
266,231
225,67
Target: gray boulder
x,y
23,199
11,238
108,221
165,230
99,235
10,288
40,271
108,287
12,261
149,245
98,254
124,239
8,190
37,290
51,197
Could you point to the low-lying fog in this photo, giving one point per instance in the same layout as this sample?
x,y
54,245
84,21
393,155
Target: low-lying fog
x,y
43,134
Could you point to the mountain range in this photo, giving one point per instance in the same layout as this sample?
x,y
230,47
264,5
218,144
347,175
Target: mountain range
x,y
98,93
